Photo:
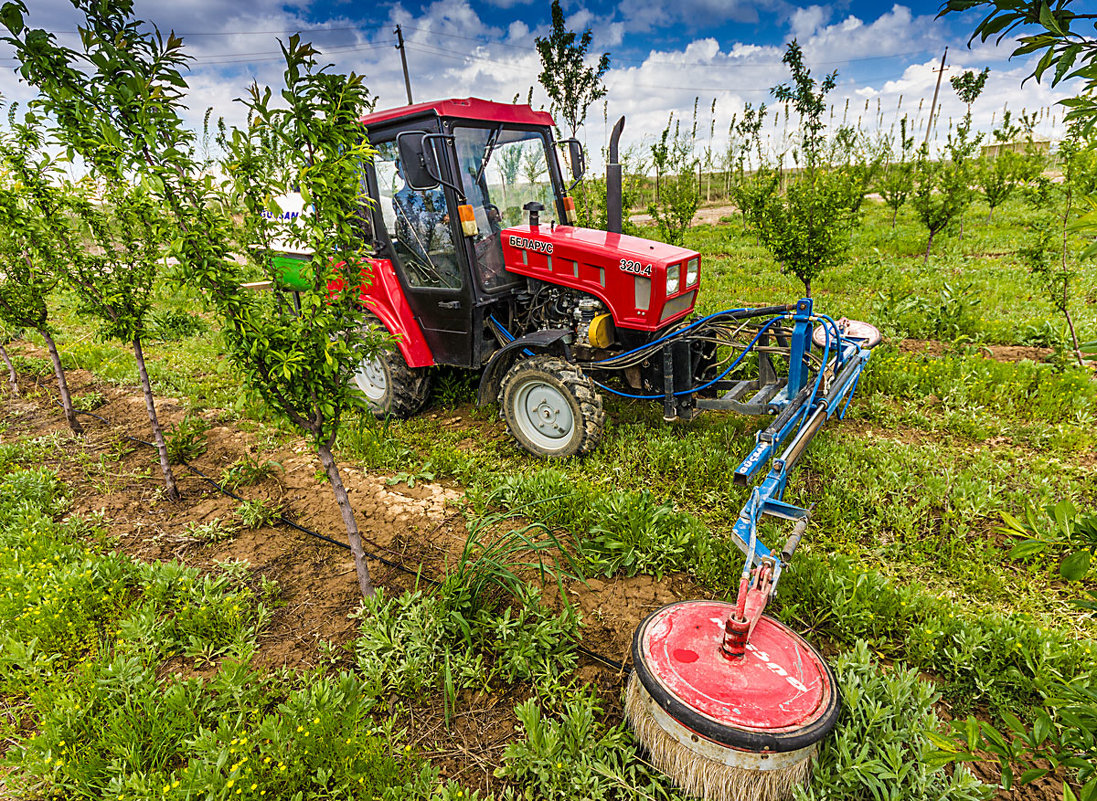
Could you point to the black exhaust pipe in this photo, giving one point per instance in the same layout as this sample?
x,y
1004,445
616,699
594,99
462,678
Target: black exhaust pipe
x,y
613,181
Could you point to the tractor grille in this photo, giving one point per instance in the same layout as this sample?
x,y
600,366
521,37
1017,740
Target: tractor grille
x,y
677,305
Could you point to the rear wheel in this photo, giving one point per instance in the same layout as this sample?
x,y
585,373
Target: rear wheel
x,y
390,386
551,407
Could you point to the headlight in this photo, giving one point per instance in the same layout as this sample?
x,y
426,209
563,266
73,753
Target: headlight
x,y
674,278
693,269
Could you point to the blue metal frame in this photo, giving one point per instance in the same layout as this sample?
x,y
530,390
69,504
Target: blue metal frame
x,y
824,400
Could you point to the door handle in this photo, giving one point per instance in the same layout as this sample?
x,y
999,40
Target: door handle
x,y
449,304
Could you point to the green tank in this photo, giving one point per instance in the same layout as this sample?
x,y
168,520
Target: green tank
x,y
288,267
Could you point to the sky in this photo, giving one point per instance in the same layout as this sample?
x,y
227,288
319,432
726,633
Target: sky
x,y
665,55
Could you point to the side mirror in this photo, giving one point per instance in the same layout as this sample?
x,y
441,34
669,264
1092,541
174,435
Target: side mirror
x,y
418,162
577,158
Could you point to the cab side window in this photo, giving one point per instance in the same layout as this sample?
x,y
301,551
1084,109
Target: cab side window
x,y
418,224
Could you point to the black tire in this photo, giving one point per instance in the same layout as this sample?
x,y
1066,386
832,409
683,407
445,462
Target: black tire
x,y
391,387
551,407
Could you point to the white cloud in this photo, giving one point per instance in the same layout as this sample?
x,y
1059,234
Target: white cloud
x,y
806,21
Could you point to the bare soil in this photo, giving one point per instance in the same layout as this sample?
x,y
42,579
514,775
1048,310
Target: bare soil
x,y
1000,353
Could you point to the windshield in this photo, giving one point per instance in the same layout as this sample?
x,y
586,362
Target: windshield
x,y
501,170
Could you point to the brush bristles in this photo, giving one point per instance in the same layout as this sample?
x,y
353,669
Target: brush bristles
x,y
699,775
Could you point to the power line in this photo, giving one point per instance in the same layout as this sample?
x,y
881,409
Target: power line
x,y
377,26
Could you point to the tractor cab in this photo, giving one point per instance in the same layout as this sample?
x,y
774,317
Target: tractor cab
x,y
447,179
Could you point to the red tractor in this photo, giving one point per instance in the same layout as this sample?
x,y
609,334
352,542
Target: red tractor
x,y
479,264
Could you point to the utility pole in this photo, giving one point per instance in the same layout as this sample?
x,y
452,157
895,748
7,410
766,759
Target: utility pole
x,y
932,106
404,61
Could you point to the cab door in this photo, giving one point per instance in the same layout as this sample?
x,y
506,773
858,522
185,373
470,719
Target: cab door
x,y
422,235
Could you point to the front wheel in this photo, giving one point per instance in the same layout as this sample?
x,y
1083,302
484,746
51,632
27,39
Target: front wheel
x,y
390,386
551,407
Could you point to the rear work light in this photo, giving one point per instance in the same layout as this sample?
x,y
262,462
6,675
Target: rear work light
x,y
693,270
569,210
674,278
468,220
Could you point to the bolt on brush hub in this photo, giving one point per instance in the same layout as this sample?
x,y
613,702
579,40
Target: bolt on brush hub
x,y
722,725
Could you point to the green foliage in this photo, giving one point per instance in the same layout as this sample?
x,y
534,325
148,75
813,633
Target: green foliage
x,y
1064,533
808,227
418,642
168,325
1067,52
300,363
629,532
952,316
986,660
968,85
406,645
882,743
111,124
213,531
529,642
88,401
29,257
1060,735
677,193
83,642
257,513
571,84
187,439
575,755
247,470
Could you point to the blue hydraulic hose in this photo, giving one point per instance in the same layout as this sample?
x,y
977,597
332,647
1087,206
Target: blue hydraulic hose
x,y
731,367
671,335
837,333
502,328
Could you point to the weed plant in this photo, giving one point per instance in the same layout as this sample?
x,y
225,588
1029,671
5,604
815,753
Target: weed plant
x,y
880,747
257,513
187,439
246,471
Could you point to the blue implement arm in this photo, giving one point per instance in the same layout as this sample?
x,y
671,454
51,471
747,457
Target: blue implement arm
x,y
812,401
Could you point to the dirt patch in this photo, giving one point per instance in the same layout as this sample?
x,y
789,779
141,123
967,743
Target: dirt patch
x,y
1000,353
706,215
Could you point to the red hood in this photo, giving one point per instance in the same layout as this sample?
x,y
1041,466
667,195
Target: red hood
x,y
627,273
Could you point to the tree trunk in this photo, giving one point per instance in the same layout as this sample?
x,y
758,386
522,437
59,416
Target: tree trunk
x,y
1073,336
62,384
929,244
13,379
354,539
807,288
157,432
894,214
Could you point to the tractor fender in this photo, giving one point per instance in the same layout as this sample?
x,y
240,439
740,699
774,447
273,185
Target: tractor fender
x,y
550,340
382,296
